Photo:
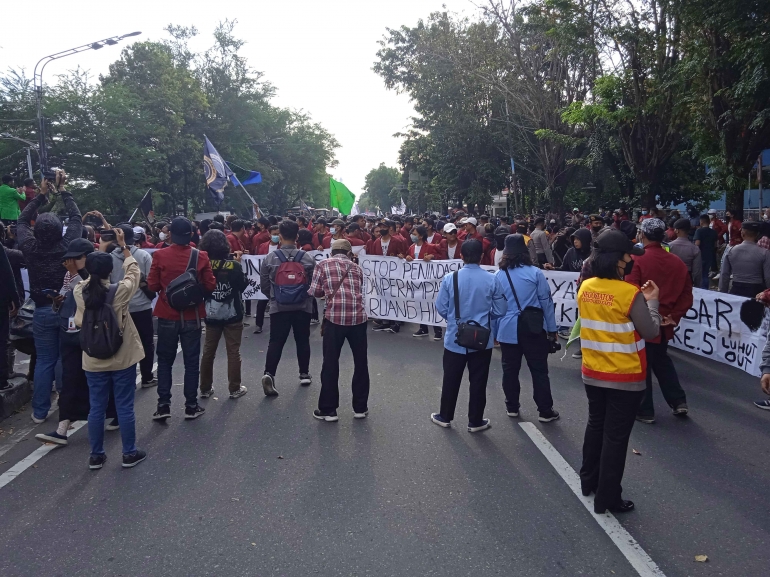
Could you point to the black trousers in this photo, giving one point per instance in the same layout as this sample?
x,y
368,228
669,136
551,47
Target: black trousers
x,y
143,323
535,350
661,364
478,374
74,401
333,340
259,318
247,306
747,290
611,416
437,331
281,324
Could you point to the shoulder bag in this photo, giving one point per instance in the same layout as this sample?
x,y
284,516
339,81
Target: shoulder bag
x,y
470,335
531,319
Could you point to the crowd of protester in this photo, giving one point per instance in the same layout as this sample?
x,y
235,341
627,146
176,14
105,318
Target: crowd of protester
x,y
107,302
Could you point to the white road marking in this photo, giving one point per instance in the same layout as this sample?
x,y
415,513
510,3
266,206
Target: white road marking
x,y
21,432
632,551
36,455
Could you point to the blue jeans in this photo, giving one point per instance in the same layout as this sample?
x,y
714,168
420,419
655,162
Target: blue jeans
x,y
122,384
45,329
169,334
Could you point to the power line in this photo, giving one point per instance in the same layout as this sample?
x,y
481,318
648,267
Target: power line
x,y
12,154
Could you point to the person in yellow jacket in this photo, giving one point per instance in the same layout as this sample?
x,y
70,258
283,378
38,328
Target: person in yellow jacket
x,y
615,318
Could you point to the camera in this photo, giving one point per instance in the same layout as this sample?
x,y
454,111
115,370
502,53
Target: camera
x,y
554,346
49,175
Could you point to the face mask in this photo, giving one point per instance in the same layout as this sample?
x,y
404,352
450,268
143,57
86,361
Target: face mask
x,y
384,232
162,236
414,238
627,269
333,230
644,212
275,239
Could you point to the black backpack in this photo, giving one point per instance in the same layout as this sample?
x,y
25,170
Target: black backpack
x,y
100,334
185,292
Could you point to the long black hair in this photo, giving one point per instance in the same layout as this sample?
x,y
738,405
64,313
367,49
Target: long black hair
x,y
422,232
605,264
515,260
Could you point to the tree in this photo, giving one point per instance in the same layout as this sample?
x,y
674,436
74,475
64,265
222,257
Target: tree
x,y
378,185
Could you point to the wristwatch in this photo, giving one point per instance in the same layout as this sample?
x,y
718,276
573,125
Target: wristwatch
x,y
124,247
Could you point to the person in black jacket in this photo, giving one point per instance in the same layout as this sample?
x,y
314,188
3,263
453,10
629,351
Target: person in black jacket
x,y
44,249
577,253
224,314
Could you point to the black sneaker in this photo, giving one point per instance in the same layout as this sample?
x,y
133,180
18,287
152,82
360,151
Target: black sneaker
x,y
381,328
151,383
482,426
395,327
438,336
54,438
268,385
112,425
440,421
133,459
193,412
646,419
548,416
258,330
512,412
681,410
96,462
421,333
163,412
622,507
330,417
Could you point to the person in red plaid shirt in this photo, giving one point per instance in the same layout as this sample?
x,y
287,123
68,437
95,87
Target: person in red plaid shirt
x,y
341,281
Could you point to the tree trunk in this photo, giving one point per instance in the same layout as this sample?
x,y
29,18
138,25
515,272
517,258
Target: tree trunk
x,y
734,198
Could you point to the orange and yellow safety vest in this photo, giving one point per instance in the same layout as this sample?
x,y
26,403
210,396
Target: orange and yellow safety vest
x,y
612,349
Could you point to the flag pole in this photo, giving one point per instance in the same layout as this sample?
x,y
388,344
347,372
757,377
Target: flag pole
x,y
140,204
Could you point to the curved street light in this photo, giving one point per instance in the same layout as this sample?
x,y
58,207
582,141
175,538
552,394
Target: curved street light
x,y
38,83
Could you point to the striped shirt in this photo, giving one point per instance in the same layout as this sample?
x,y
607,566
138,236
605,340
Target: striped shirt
x,y
347,306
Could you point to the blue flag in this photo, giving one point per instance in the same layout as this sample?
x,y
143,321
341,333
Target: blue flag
x,y
216,171
253,178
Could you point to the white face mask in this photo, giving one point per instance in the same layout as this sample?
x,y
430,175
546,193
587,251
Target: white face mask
x,y
333,230
162,236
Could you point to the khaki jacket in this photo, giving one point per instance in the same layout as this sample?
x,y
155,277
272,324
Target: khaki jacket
x,y
132,351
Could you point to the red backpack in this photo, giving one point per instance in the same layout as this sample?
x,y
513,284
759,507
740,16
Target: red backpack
x,y
291,282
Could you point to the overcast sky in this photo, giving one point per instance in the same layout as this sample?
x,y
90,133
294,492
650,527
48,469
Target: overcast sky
x,y
317,53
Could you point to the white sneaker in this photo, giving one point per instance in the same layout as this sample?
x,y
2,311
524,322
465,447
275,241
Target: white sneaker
x,y
36,420
360,415
239,393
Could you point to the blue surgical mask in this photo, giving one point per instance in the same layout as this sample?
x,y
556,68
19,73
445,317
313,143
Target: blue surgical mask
x,y
644,212
333,230
275,238
414,237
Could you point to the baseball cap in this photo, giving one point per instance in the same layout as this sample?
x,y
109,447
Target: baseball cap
x,y
338,222
138,230
470,220
616,241
653,228
712,211
449,227
78,247
181,230
342,244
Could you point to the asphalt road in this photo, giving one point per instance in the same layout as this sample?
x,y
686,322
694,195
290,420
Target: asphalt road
x,y
258,487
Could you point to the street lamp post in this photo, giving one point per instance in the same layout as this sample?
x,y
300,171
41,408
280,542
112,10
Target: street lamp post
x,y
38,83
30,146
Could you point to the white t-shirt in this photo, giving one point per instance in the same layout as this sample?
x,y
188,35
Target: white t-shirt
x,y
417,248
450,251
384,246
271,248
431,237
498,257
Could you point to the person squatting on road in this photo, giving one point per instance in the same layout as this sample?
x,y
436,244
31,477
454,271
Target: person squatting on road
x,y
98,302
284,279
224,313
480,298
615,321
340,281
527,329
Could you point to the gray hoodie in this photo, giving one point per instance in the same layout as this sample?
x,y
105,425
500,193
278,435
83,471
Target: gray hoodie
x,y
139,302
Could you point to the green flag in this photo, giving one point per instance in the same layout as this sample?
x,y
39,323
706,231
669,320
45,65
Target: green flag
x,y
340,197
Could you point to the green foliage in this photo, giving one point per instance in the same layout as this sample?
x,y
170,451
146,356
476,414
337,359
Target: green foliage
x,y
142,124
378,186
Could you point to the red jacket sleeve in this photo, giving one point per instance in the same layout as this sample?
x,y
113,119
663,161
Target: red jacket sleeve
x,y
205,274
636,273
153,278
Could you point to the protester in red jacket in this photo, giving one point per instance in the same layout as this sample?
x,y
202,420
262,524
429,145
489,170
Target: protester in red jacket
x,y
450,247
360,221
355,235
274,241
393,245
406,230
237,237
421,249
262,235
670,273
175,326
